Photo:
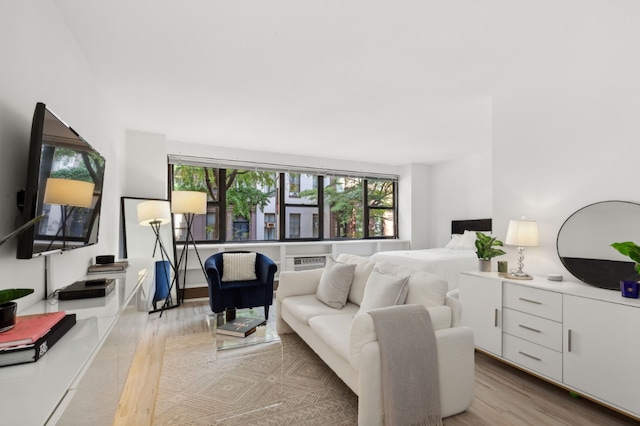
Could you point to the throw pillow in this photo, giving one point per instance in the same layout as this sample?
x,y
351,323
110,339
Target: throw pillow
x,y
335,283
239,267
383,290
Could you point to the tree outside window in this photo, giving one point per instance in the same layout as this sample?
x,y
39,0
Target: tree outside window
x,y
253,205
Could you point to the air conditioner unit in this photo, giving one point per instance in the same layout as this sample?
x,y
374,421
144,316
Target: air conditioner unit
x,y
308,262
270,224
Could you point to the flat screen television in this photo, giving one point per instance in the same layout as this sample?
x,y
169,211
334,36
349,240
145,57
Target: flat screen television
x,y
65,177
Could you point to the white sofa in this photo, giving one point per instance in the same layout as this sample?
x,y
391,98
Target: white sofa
x,y
346,341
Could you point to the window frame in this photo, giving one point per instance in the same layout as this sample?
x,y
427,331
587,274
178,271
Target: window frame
x,y
282,208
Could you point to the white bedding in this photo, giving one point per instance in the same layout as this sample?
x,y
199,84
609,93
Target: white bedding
x,y
446,263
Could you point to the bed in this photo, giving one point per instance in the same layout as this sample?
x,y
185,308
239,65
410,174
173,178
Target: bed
x,y
457,256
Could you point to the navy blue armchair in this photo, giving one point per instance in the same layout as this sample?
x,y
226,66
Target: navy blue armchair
x,y
240,294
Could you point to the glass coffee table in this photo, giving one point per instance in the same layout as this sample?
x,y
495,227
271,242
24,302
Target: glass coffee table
x,y
263,334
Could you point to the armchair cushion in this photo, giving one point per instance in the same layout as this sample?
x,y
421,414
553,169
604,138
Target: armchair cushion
x,y
239,267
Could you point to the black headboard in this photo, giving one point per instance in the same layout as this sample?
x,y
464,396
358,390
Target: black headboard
x,y
459,226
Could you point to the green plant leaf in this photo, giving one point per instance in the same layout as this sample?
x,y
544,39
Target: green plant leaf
x,y
13,293
630,249
485,246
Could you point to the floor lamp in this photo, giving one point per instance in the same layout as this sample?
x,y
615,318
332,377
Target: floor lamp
x,y
68,194
156,213
188,204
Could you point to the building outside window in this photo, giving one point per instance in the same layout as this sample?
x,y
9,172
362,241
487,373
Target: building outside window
x,y
294,225
270,226
294,185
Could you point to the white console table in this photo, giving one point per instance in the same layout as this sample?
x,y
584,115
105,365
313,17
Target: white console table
x,y
578,336
80,379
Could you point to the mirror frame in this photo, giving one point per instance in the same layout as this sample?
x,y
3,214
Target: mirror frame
x,y
600,270
139,241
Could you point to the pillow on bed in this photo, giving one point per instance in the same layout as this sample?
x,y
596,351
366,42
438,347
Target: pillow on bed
x,y
468,241
454,241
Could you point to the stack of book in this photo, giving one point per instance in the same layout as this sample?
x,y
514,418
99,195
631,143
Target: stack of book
x,y
102,268
33,336
240,326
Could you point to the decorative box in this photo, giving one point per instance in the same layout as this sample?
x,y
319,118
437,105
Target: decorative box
x,y
630,289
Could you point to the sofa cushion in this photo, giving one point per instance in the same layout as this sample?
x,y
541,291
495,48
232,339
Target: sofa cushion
x,y
364,266
383,290
334,331
424,288
308,306
238,267
335,283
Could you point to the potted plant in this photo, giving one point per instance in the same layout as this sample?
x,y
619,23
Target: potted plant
x,y
486,250
632,250
8,307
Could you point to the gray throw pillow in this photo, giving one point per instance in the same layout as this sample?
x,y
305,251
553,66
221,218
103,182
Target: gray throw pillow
x,y
335,283
383,290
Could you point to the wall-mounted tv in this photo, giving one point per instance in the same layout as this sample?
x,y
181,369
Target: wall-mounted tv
x,y
65,177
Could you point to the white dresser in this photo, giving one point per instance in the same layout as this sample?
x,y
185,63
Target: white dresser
x,y
569,333
80,379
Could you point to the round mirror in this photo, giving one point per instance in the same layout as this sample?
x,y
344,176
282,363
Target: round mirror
x,y
585,238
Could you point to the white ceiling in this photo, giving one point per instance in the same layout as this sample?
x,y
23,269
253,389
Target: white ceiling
x,y
384,81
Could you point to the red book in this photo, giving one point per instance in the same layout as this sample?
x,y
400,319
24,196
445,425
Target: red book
x,y
29,328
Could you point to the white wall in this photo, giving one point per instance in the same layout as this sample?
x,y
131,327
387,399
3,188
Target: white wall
x,y
413,202
145,165
568,133
460,190
41,62
565,134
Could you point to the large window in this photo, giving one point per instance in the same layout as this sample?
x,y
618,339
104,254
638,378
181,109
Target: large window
x,y
254,204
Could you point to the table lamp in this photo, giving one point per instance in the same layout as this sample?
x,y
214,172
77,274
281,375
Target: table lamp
x,y
522,233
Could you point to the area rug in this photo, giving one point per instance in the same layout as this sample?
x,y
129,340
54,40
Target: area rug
x,y
279,383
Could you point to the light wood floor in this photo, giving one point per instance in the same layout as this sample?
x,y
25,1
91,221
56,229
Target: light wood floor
x,y
503,395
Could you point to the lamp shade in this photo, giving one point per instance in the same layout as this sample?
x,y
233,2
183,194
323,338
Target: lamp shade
x,y
154,212
523,233
68,192
189,202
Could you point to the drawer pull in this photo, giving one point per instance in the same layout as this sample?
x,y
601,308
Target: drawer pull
x,y
529,328
529,356
495,318
530,301
569,340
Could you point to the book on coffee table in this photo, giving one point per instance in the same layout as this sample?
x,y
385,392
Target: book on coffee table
x,y
240,326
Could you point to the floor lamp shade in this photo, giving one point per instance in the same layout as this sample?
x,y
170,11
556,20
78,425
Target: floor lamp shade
x,y
68,192
153,212
188,202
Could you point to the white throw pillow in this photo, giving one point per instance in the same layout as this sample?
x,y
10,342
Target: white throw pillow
x,y
335,283
239,267
383,290
364,266
468,241
454,241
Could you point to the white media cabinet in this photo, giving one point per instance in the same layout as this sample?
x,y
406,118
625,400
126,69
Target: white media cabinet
x,y
580,337
80,379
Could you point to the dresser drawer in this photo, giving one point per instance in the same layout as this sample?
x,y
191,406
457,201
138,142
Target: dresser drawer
x,y
532,328
537,358
541,303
